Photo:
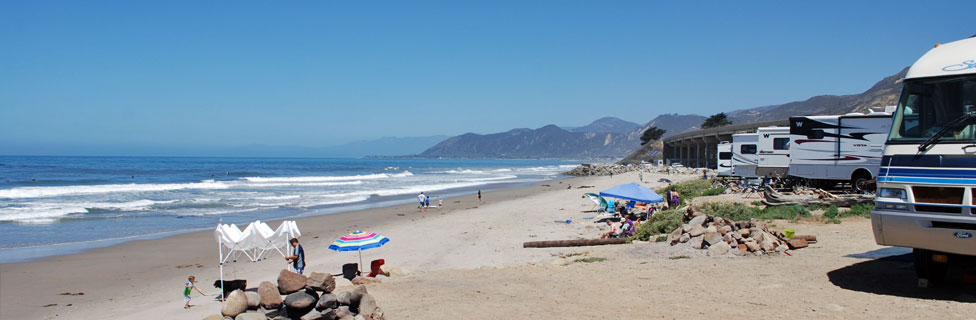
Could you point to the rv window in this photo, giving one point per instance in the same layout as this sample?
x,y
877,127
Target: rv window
x,y
781,143
927,104
815,134
724,155
747,149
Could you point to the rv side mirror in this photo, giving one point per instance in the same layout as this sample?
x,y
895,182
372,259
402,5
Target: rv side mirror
x,y
815,134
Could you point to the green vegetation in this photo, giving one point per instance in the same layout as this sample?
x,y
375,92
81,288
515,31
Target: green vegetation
x,y
589,260
652,133
830,215
716,120
662,222
691,189
742,212
833,214
661,238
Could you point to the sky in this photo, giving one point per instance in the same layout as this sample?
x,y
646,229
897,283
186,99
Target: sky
x,y
126,75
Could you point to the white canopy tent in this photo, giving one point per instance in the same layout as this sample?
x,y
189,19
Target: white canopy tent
x,y
255,241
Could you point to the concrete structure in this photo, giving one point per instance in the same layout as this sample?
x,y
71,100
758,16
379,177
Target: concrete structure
x,y
696,149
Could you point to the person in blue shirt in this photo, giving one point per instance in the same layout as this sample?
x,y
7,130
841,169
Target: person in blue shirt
x,y
297,258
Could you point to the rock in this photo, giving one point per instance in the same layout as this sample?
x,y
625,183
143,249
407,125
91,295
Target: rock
x,y
327,301
300,301
725,229
327,314
696,242
767,244
712,238
696,230
320,281
343,299
744,232
367,305
684,238
355,295
728,238
743,247
736,235
718,249
289,282
253,299
270,298
711,229
359,317
686,228
753,246
782,248
214,317
343,311
740,252
675,235
234,304
697,221
251,316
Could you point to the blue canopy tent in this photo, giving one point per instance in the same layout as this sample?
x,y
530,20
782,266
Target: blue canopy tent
x,y
633,191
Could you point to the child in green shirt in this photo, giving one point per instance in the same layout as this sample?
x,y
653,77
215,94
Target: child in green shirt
x,y
190,285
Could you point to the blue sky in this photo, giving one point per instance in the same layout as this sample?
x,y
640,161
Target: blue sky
x,y
120,74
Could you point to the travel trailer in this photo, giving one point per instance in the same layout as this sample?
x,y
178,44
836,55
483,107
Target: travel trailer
x,y
724,152
826,150
774,151
744,154
927,178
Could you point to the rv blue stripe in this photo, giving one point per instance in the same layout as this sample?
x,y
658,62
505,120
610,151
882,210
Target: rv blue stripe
x,y
926,180
931,161
934,173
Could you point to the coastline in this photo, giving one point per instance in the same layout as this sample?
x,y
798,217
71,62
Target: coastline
x,y
144,264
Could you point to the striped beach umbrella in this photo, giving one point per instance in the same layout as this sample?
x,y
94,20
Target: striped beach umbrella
x,y
359,241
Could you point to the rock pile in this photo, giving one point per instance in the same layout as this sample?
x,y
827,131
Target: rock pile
x,y
600,169
297,297
723,236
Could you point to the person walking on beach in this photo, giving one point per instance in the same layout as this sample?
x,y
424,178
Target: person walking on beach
x,y
297,258
642,176
422,198
479,195
191,284
440,203
427,203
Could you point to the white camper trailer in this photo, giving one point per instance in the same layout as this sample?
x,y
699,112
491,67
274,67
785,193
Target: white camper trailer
x,y
774,151
926,196
744,155
827,150
724,152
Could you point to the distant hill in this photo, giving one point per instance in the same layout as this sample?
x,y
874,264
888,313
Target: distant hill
x,y
883,93
547,142
675,123
607,124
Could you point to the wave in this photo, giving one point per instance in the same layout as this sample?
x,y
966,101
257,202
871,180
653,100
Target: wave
x,y
329,178
51,212
42,192
304,184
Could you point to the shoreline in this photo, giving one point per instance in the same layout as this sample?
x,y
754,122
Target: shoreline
x,y
150,263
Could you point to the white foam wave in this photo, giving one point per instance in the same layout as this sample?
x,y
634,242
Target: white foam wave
x,y
304,184
322,202
462,171
505,177
329,178
43,192
50,212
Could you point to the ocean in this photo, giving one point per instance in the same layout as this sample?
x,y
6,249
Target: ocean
x,y
59,205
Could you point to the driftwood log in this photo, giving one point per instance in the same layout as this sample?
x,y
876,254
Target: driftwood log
x,y
810,239
573,243
772,197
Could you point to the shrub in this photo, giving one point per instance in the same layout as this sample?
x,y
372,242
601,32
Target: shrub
x,y
742,212
859,210
690,189
662,222
830,215
589,260
713,192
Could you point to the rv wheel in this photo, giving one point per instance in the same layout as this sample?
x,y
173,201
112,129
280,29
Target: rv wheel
x,y
862,182
926,268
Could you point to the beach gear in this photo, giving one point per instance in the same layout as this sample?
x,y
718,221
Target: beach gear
x,y
254,241
597,200
375,268
359,241
633,191
350,271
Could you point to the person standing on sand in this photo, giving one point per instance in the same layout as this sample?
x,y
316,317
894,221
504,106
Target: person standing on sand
x,y
479,195
427,203
188,288
440,203
422,198
297,258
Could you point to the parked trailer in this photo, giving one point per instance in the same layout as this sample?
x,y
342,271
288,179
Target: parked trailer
x,y
744,155
724,152
826,150
927,179
774,151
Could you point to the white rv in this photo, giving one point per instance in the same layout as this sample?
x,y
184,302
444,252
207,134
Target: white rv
x,y
724,152
744,154
827,150
774,151
926,196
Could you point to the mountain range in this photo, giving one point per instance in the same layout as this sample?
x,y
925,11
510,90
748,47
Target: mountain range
x,y
611,137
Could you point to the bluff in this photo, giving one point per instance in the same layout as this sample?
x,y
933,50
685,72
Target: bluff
x,y
547,142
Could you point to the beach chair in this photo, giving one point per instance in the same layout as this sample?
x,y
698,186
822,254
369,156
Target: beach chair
x,y
349,271
375,268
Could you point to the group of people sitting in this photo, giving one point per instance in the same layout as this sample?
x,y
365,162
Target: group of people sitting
x,y
630,216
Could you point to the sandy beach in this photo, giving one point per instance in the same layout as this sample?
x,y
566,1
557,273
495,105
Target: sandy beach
x,y
466,261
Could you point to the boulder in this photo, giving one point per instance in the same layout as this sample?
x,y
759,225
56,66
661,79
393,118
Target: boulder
x,y
253,299
711,229
234,304
743,247
782,248
744,232
740,252
320,281
270,298
327,314
356,294
753,246
289,282
367,305
675,235
718,249
696,230
698,220
684,238
251,316
359,317
327,301
214,317
343,312
299,301
725,229
696,242
343,299
712,238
